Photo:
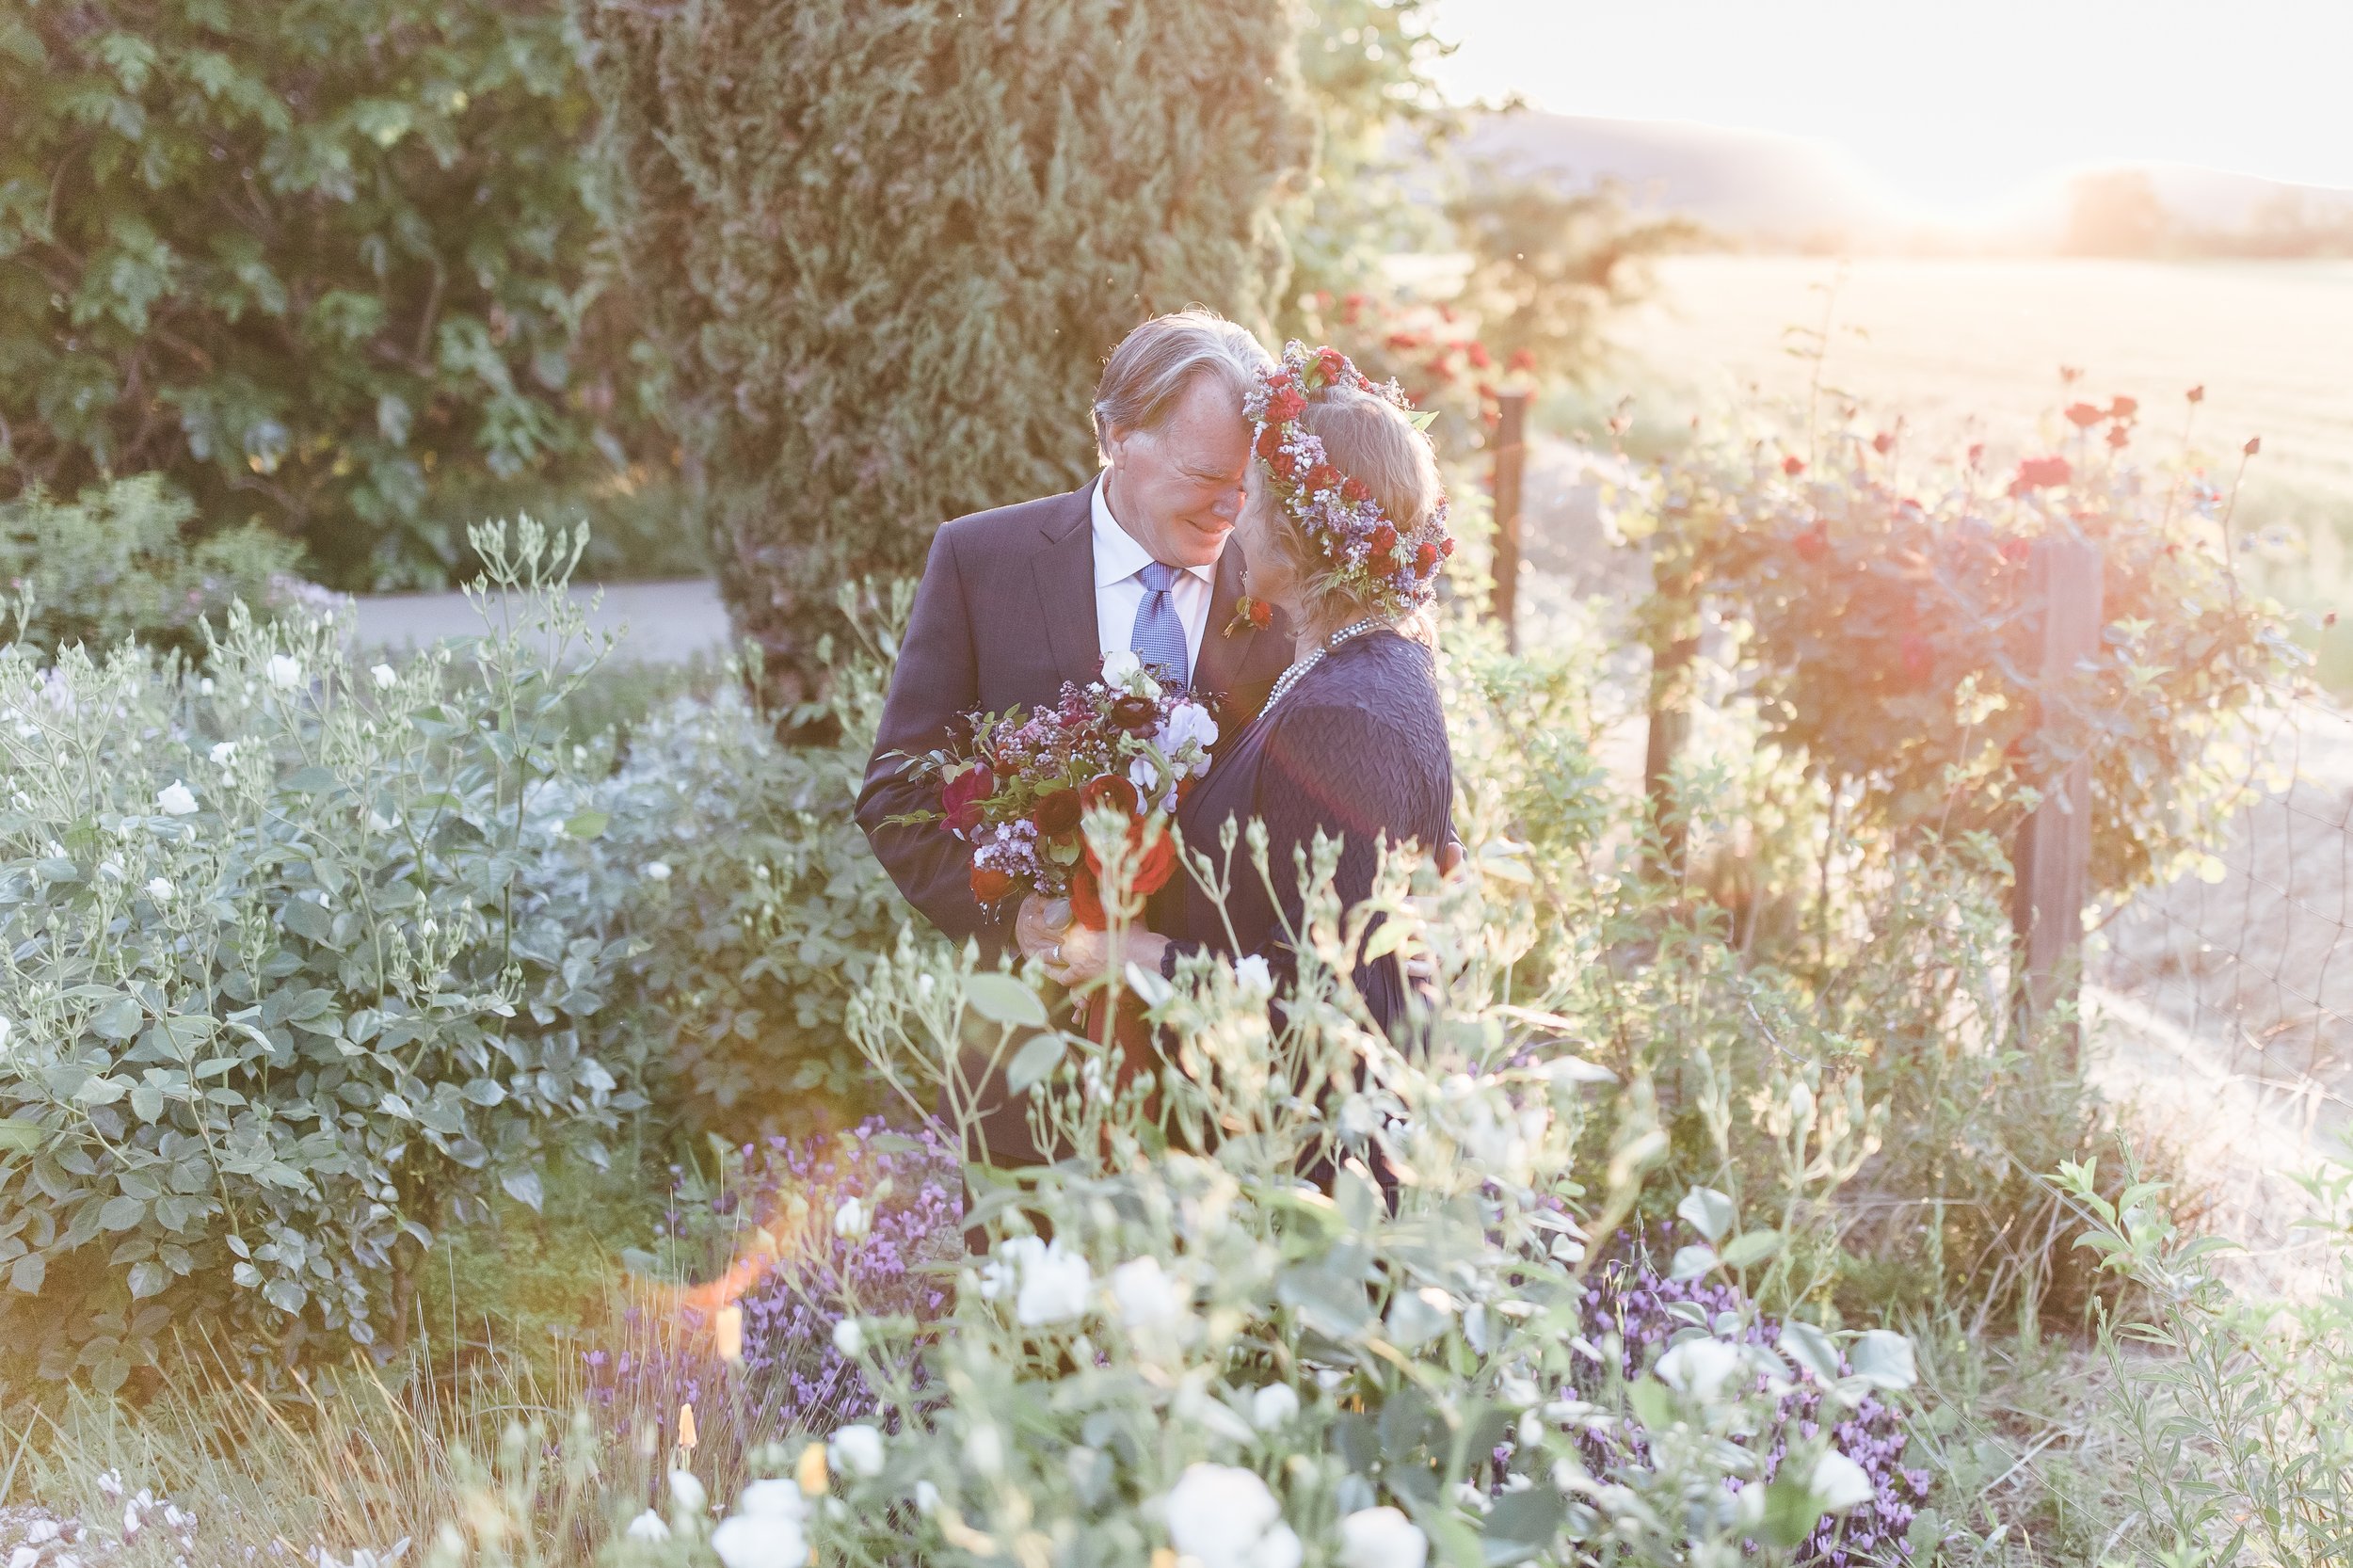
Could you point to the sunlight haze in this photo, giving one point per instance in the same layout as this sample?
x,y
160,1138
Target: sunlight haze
x,y
1956,110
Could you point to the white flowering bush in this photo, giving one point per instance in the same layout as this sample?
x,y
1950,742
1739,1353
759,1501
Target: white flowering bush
x,y
760,906
299,963
1177,1345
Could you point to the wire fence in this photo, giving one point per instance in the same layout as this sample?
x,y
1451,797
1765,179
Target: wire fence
x,y
2253,959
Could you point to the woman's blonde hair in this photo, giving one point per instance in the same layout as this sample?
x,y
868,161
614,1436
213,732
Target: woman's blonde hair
x,y
1372,441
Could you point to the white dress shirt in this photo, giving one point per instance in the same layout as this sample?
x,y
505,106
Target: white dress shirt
x,y
1118,591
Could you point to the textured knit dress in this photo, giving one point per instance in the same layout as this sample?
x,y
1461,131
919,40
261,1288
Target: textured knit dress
x,y
1357,749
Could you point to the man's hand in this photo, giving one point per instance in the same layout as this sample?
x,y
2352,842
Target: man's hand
x,y
1040,923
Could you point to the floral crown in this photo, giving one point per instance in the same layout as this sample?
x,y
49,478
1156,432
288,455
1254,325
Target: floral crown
x,y
1394,570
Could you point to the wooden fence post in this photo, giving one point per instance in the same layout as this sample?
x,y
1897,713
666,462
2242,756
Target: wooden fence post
x,y
2053,861
1511,463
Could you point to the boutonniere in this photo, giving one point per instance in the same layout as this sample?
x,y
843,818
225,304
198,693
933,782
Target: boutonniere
x,y
1250,614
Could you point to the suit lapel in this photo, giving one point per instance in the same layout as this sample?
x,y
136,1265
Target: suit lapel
x,y
1223,657
1065,584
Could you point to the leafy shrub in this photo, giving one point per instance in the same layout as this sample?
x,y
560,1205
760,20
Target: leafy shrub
x,y
299,963
760,906
309,264
1209,1356
2231,1410
114,565
837,400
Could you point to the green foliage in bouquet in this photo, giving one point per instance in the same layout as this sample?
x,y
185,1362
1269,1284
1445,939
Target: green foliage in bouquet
x,y
1889,620
114,564
932,227
309,260
299,963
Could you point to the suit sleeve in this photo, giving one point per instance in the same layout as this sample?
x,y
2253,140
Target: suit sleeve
x,y
935,684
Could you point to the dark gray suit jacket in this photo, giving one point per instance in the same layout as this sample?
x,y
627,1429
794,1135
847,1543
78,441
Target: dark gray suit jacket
x,y
1004,614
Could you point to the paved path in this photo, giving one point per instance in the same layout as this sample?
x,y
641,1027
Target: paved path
x,y
657,622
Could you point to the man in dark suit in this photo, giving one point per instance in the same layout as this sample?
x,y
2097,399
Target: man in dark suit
x,y
1015,602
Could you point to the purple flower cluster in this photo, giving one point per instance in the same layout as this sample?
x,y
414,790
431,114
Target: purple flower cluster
x,y
1628,1296
791,1378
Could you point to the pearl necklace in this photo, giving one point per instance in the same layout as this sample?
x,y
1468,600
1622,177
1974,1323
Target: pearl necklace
x,y
1299,668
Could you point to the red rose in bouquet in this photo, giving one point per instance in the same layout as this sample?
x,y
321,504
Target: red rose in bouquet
x,y
1019,792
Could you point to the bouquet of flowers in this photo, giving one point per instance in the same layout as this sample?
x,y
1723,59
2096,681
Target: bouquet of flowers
x,y
1019,790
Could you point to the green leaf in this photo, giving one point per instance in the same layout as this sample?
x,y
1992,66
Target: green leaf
x,y
1522,1524
523,1186
29,1272
1033,1061
1707,1211
1811,1348
1790,1510
148,1279
119,1019
101,1091
146,1102
285,1295
122,1213
308,780
21,1137
1883,1359
1691,1262
588,825
1004,999
1751,1246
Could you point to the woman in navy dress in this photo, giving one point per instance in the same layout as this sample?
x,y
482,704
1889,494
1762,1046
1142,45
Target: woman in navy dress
x,y
1344,528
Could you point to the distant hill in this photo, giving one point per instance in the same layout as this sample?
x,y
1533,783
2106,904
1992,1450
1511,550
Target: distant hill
x,y
1786,192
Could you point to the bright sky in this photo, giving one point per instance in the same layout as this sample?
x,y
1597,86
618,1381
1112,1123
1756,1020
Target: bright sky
x,y
1956,103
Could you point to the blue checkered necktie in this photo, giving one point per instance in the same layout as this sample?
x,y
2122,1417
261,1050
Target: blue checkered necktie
x,y
1159,634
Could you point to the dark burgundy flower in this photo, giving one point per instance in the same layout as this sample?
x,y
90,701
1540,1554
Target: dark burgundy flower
x,y
1135,715
1057,814
960,799
1109,788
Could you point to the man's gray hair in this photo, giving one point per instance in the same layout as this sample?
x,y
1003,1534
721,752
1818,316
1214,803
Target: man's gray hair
x,y
1154,364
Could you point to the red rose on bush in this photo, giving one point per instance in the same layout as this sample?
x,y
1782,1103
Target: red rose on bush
x,y
1793,465
1480,358
1057,814
1883,444
960,799
2039,472
989,884
2083,416
2123,408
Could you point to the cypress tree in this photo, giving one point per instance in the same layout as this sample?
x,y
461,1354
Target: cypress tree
x,y
881,248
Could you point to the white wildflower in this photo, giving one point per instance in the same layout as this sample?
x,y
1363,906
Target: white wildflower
x,y
849,1339
385,677
175,799
1054,1287
1251,974
111,869
1699,1367
926,1498
23,1557
1838,1484
284,673
686,1492
657,871
1274,1406
1146,1295
774,1498
224,753
850,1219
760,1540
1187,724
205,686
647,1526
160,889
1382,1538
1224,1517
856,1450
